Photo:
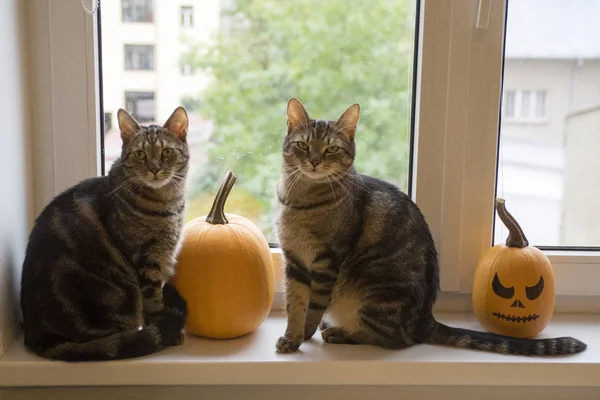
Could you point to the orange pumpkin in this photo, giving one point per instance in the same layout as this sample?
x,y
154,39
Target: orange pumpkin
x,y
513,287
224,272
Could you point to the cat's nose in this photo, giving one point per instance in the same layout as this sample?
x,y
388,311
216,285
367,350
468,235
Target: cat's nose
x,y
154,169
315,162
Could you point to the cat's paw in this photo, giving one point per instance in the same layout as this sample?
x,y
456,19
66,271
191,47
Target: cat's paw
x,y
285,345
334,335
173,299
180,340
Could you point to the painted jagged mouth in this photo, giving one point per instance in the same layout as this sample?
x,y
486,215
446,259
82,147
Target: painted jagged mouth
x,y
513,318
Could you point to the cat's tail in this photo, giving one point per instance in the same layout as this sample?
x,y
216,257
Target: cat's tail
x,y
165,332
468,339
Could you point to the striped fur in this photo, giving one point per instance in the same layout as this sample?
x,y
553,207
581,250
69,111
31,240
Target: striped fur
x,y
360,260
94,277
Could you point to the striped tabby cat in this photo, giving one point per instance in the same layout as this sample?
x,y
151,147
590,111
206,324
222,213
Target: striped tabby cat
x,y
100,253
359,250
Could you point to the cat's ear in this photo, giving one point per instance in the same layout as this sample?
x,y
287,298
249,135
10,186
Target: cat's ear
x,y
346,123
296,115
127,125
178,123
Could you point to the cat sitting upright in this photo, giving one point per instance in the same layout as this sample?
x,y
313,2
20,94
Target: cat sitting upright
x,y
359,251
94,276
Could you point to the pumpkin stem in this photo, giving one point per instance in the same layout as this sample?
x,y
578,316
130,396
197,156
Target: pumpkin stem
x,y
216,216
516,237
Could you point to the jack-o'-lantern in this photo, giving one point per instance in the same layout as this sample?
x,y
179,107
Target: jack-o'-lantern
x,y
513,287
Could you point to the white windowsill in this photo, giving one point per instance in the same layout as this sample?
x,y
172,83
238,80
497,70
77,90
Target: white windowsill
x,y
252,360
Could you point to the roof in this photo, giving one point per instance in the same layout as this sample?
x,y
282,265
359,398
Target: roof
x,y
553,29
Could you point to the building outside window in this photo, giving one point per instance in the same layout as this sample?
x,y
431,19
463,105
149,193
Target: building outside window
x,y
139,57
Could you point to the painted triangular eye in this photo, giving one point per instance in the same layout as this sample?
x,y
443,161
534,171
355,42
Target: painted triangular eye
x,y
500,290
534,292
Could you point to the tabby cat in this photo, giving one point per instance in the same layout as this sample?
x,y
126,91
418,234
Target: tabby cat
x,y
358,250
99,256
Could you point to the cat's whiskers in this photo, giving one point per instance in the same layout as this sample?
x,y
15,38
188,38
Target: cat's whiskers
x,y
123,185
331,186
295,177
177,181
348,178
339,182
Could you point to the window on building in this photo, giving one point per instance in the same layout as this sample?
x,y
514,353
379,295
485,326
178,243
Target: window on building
x,y
139,57
525,105
137,10
187,16
141,105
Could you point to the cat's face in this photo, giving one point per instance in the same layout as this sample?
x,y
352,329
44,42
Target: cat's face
x,y
153,155
320,150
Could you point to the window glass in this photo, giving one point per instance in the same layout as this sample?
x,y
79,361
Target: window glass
x,y
236,64
548,158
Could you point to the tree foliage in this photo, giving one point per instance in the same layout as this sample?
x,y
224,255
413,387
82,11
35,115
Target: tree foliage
x,y
329,54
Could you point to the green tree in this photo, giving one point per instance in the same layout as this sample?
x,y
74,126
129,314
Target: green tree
x,y
329,54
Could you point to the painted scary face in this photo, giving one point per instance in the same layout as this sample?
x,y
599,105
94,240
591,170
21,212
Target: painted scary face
x,y
514,295
520,300
522,309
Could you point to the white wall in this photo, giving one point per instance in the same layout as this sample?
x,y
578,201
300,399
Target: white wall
x,y
15,202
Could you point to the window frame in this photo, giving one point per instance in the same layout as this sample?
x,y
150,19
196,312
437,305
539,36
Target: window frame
x,y
455,147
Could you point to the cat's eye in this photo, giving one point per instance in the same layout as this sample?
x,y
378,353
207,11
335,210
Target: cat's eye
x,y
139,155
167,153
332,149
302,145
